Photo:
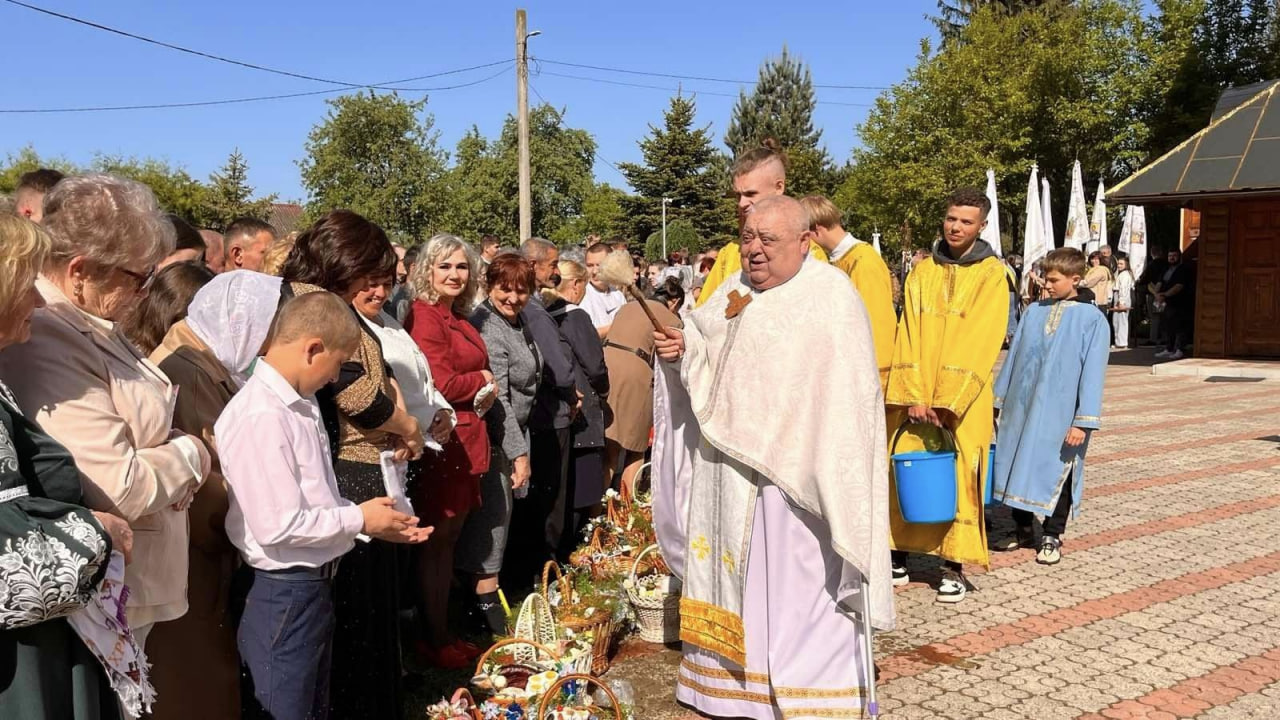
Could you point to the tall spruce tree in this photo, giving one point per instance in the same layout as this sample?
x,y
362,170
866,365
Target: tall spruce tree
x,y
954,15
678,161
781,107
230,196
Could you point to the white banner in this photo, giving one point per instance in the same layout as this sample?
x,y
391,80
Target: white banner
x,y
1046,222
1133,238
1098,226
1033,247
1077,235
991,234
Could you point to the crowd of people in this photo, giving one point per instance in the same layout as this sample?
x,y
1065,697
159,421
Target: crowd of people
x,y
231,462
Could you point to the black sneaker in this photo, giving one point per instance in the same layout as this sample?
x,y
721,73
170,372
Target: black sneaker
x,y
1021,538
900,576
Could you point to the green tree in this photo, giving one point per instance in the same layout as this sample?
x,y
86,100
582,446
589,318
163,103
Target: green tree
x,y
485,188
379,156
602,214
678,164
681,235
1046,85
953,15
781,107
230,195
175,190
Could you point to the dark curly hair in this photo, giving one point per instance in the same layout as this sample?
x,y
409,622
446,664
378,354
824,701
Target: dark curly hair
x,y
969,197
337,251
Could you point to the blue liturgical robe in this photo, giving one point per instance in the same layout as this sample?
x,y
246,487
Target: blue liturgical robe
x,y
1050,382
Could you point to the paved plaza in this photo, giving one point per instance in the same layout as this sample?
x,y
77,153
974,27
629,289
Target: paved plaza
x,y
1166,603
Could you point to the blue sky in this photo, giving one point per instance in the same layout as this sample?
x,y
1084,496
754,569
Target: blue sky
x,y
54,63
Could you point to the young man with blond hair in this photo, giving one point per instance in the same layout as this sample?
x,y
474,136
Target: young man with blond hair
x,y
866,270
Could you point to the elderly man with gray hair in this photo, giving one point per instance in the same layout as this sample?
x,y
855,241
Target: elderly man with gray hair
x,y
535,526
772,483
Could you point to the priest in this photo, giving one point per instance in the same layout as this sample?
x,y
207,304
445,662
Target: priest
x,y
771,501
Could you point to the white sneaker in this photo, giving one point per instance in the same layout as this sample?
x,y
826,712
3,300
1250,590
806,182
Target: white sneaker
x,y
1050,552
900,576
952,588
1177,355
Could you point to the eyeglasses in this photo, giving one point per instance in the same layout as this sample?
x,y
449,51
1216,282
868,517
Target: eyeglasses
x,y
143,281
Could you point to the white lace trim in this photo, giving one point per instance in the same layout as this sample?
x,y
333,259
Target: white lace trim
x,y
13,493
43,579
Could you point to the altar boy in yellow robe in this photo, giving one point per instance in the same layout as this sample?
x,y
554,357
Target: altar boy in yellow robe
x,y
866,270
956,309
757,174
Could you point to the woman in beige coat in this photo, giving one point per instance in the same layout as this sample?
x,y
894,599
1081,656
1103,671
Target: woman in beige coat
x,y
95,393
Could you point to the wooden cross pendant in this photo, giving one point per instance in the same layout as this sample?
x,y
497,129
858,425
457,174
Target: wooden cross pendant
x,y
737,301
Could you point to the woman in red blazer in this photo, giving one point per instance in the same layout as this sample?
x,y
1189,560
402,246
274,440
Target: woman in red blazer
x,y
445,485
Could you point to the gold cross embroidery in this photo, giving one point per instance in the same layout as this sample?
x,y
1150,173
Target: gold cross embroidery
x,y
737,301
727,559
701,548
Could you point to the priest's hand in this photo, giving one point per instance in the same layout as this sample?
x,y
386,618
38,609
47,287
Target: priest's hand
x,y
669,344
924,414
1075,437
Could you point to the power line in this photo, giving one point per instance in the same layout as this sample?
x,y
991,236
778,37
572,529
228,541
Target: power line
x,y
230,61
549,73
206,103
675,76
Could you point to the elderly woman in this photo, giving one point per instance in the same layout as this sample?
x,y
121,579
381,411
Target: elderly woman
x,y
516,365
365,418
628,353
46,671
208,354
165,304
585,487
94,392
445,485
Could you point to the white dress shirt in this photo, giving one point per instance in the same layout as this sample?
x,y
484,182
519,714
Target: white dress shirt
x,y
844,247
602,305
285,508
421,398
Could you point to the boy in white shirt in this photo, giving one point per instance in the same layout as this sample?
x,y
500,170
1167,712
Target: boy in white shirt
x,y
286,516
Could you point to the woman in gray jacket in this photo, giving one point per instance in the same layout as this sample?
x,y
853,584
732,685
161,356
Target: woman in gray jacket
x,y
516,367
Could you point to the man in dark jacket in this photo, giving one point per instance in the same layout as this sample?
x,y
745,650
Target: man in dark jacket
x,y
554,406
1151,276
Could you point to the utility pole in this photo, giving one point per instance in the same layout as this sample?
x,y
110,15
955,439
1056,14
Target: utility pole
x,y
665,201
522,112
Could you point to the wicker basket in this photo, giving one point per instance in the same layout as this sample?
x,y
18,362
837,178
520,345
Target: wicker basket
x,y
516,673
535,623
464,695
599,624
591,558
552,696
658,617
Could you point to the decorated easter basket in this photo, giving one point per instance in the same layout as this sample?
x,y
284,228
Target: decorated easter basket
x,y
536,623
599,624
568,699
656,600
499,672
462,706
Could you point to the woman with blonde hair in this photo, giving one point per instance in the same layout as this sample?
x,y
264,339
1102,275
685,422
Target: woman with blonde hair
x,y
93,391
586,482
48,672
445,485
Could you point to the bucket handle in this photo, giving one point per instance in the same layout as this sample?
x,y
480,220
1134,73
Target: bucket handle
x,y
946,433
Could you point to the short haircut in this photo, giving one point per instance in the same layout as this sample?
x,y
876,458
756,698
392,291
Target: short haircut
x,y
970,197
411,255
165,304
40,180
488,241
510,270
23,247
340,249
110,220
617,242
788,209
670,289
658,264
768,151
321,315
822,212
1068,261
536,248
187,237
273,259
436,250
705,265
598,248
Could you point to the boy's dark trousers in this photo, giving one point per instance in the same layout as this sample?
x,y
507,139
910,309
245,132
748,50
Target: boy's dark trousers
x,y
286,643
1055,524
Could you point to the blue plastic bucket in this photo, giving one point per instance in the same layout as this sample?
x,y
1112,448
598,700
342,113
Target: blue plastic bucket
x,y
926,482
989,491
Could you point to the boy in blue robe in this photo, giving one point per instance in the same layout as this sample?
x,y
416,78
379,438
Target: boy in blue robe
x,y
1049,400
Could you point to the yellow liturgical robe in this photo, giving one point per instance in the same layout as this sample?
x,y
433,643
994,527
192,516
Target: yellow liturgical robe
x,y
870,277
729,263
952,327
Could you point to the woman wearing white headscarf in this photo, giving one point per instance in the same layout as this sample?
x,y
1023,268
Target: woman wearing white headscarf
x,y
208,355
